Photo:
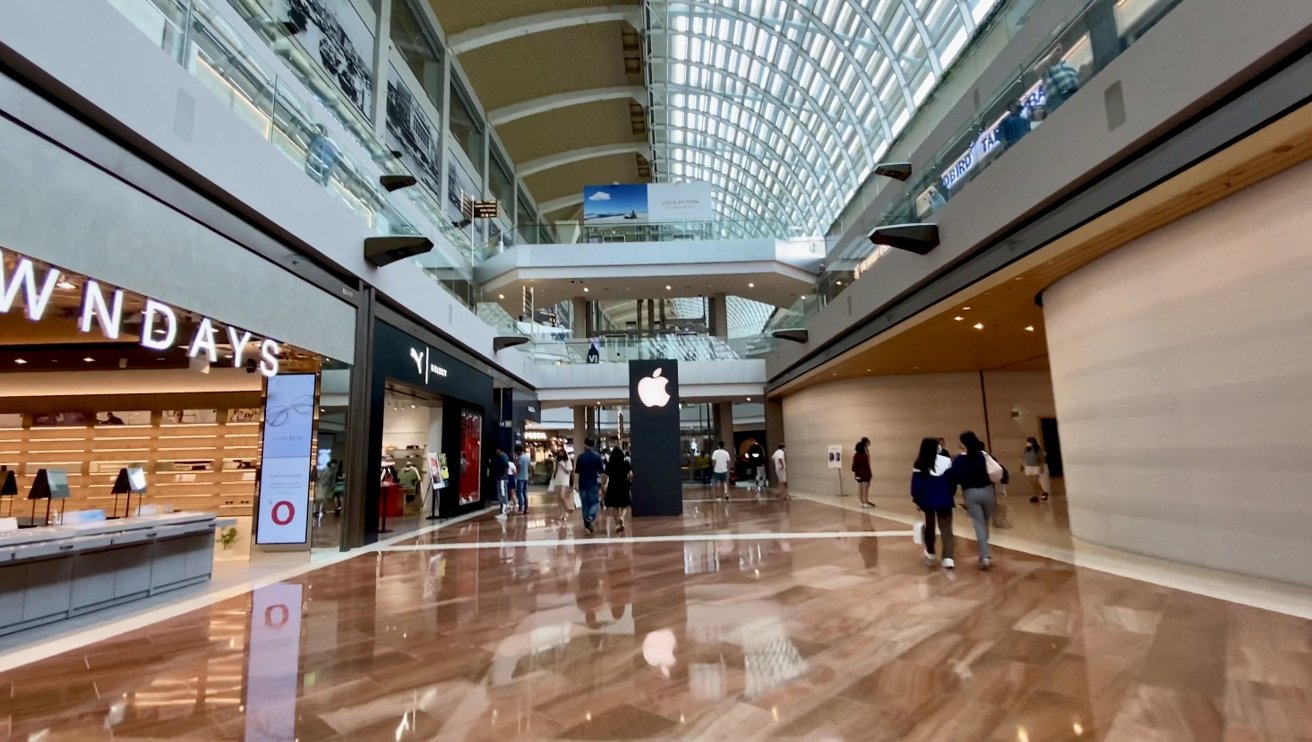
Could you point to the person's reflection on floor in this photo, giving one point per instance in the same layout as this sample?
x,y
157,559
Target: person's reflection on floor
x,y
869,545
589,593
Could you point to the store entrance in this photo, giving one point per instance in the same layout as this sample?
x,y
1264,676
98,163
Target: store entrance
x,y
414,468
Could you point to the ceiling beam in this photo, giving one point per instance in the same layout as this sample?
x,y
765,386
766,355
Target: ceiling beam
x,y
524,109
541,164
556,204
525,25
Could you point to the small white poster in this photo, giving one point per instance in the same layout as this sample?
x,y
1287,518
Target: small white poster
x,y
835,457
679,202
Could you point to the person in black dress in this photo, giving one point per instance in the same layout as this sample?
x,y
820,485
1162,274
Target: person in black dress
x,y
619,482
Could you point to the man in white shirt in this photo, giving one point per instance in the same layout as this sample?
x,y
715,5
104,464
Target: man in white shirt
x,y
781,470
720,468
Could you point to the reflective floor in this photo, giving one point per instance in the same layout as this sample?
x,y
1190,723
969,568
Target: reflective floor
x,y
751,620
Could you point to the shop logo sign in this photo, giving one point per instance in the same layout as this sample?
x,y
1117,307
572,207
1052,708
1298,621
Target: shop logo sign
x,y
424,366
103,306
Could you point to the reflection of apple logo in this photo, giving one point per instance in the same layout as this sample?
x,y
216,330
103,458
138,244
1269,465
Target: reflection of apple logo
x,y
651,390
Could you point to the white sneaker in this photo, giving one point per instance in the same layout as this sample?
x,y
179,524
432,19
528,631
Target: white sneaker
x,y
501,517
930,559
985,564
949,564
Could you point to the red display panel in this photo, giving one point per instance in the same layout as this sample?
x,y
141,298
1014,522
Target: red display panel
x,y
471,456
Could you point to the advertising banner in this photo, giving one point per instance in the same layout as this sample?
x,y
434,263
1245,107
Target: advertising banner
x,y
412,133
471,456
835,457
285,467
339,39
679,202
615,204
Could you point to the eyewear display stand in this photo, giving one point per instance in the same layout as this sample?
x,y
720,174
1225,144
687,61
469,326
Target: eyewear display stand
x,y
8,491
127,482
50,484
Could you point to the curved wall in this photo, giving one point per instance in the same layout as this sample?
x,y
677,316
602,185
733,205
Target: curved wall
x,y
895,412
1182,372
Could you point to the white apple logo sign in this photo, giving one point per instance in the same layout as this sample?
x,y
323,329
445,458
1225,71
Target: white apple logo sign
x,y
651,390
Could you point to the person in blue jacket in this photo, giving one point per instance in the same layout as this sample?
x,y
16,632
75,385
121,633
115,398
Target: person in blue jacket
x,y
931,491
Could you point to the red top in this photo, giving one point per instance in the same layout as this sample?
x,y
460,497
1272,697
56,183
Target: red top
x,y
861,465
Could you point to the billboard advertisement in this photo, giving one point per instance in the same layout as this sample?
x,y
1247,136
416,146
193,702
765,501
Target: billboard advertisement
x,y
288,433
642,203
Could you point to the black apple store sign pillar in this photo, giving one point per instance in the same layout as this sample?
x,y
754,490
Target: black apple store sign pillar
x,y
654,420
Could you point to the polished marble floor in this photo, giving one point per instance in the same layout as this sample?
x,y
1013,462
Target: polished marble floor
x,y
739,621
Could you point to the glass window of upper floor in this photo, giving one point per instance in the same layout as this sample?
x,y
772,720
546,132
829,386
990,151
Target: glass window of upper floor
x,y
422,54
500,182
466,126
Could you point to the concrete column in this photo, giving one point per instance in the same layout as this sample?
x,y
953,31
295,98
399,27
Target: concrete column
x,y
382,44
638,326
580,428
578,320
722,422
651,315
717,319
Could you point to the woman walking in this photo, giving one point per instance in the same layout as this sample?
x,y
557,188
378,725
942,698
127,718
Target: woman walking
x,y
861,470
618,488
974,472
560,478
931,491
1035,460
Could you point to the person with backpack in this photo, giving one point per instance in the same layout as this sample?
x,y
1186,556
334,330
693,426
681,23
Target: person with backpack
x,y
976,473
931,491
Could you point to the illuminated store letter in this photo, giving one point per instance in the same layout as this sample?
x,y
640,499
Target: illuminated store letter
x,y
153,313
24,276
238,343
94,307
204,340
269,358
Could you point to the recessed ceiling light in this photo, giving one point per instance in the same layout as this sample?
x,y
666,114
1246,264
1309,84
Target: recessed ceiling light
x,y
20,361
749,399
840,283
965,309
867,370
88,359
979,325
1029,328
501,296
751,285
667,288
958,318
1019,278
585,289
65,285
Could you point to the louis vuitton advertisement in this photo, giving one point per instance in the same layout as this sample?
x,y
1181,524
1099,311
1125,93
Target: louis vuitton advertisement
x,y
413,134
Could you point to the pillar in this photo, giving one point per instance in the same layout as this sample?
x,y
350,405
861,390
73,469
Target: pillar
x,y
717,319
578,320
638,323
722,422
580,428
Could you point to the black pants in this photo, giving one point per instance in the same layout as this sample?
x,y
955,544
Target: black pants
x,y
944,518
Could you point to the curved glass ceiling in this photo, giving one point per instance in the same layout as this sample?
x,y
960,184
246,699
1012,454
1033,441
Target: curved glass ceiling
x,y
785,106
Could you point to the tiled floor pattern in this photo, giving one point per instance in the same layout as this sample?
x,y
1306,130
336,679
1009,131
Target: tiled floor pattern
x,y
557,636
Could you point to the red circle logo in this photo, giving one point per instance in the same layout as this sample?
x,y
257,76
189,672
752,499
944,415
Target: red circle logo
x,y
283,505
276,616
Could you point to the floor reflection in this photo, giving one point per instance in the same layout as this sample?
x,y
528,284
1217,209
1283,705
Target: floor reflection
x,y
488,630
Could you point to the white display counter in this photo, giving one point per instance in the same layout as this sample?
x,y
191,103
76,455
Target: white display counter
x,y
54,573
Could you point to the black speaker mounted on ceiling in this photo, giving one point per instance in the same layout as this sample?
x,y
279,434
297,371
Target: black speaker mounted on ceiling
x,y
796,336
501,342
381,251
396,182
918,238
894,170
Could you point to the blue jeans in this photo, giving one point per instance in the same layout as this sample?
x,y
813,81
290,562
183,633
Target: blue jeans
x,y
521,493
591,497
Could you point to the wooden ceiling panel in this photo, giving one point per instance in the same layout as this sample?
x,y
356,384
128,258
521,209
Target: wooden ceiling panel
x,y
565,129
558,61
457,16
568,180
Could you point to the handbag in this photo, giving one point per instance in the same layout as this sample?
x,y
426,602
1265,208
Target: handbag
x,y
918,533
1000,519
994,469
578,500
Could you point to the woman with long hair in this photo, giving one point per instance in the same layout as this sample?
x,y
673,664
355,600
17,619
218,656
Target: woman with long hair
x,y
1034,462
931,491
618,488
560,480
861,470
970,472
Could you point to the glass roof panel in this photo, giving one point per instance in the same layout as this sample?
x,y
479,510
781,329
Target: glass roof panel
x,y
799,96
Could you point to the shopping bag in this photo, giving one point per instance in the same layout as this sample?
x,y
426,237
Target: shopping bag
x,y
918,533
578,501
1045,480
1000,519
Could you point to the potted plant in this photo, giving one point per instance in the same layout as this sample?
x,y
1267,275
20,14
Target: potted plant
x,y
227,537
